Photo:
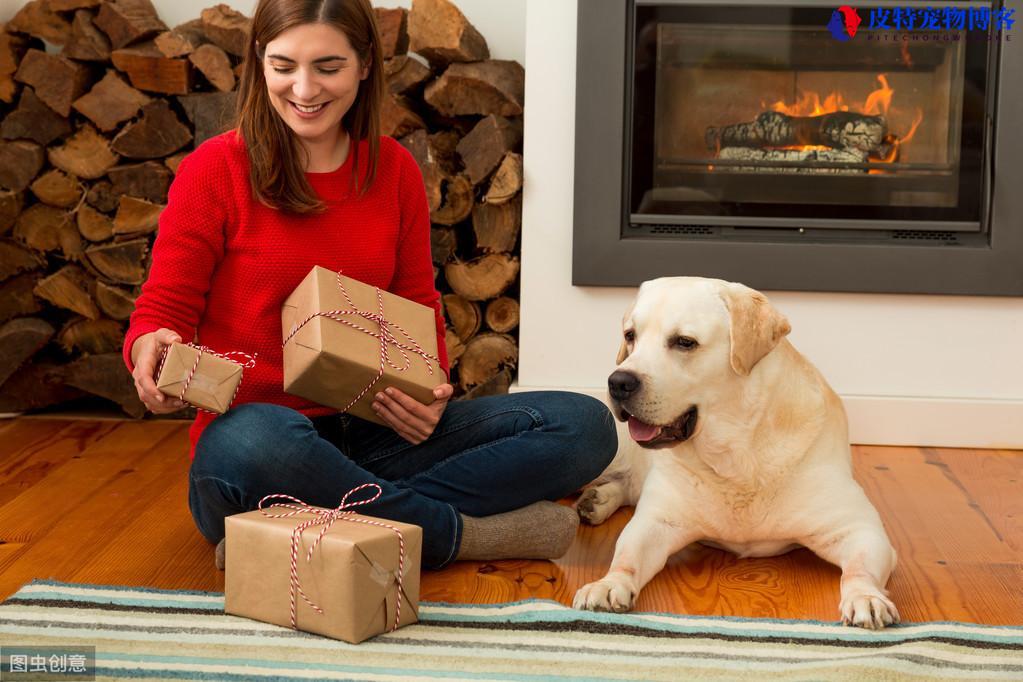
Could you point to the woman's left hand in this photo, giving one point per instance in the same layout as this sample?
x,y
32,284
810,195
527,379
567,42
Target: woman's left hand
x,y
412,420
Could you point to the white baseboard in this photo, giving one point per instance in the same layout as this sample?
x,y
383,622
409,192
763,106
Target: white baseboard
x,y
910,420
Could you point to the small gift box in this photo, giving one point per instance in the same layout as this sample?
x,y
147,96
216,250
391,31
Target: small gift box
x,y
201,377
345,341
326,571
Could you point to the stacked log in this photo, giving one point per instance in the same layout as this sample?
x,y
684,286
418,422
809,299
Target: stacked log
x,y
100,101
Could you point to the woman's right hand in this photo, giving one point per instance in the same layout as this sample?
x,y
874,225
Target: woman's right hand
x,y
145,355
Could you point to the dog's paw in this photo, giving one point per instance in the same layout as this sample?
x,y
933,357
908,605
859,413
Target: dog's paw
x,y
607,594
595,505
870,610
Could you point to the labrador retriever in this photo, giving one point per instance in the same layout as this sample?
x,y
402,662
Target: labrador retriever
x,y
734,440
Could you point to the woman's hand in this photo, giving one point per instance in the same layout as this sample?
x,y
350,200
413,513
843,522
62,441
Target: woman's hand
x,y
145,355
412,420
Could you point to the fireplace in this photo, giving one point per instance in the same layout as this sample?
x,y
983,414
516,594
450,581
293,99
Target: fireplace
x,y
800,146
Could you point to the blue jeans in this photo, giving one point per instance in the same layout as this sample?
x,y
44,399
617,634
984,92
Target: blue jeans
x,y
486,456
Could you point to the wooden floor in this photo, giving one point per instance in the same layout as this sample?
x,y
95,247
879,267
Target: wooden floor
x,y
105,502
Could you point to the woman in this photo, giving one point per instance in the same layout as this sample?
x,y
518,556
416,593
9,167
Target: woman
x,y
306,179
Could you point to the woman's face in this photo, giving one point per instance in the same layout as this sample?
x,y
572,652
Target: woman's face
x,y
312,76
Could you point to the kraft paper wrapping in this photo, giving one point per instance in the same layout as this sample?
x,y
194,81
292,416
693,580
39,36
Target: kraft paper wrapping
x,y
352,575
212,386
330,363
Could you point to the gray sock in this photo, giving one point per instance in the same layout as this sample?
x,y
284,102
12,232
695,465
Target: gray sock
x,y
542,530
220,553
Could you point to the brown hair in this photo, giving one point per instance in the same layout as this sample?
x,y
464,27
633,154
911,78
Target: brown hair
x,y
275,154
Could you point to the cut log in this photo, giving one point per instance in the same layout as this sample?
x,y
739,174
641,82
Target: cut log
x,y
465,316
496,385
69,288
102,197
71,5
839,129
174,160
45,228
181,41
115,302
397,118
106,376
454,346
86,42
35,121
149,70
441,34
91,336
86,154
136,217
36,385
497,226
484,88
17,298
507,180
93,225
210,113
404,74
57,188
12,49
20,339
39,21
157,134
148,180
445,148
213,63
502,314
443,242
20,162
227,28
794,157
457,203
418,144
486,145
16,258
484,357
128,21
57,80
121,262
110,102
11,204
392,25
482,278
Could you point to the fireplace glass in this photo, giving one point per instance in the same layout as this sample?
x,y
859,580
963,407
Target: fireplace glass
x,y
763,117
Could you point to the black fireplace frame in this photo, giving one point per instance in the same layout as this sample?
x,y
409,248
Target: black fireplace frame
x,y
610,249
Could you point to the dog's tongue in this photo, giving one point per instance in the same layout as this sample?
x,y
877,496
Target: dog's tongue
x,y
641,431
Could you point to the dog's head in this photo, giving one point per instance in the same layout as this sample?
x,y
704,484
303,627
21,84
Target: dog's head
x,y
685,342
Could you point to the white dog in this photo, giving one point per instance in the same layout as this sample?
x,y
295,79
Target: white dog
x,y
734,439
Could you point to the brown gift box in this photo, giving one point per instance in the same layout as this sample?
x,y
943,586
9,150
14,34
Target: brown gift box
x,y
212,386
330,363
352,577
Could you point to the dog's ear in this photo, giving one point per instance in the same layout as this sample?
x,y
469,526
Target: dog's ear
x,y
623,350
756,326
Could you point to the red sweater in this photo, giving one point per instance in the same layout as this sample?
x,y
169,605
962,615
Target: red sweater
x,y
223,263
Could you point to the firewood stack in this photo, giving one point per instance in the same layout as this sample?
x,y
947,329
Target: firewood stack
x,y
93,125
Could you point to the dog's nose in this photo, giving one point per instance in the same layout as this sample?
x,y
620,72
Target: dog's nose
x,y
622,384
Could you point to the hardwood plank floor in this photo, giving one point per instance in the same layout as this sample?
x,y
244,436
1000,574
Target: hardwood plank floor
x,y
105,502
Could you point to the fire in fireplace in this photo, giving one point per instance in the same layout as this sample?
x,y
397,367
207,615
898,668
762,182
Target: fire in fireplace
x,y
756,145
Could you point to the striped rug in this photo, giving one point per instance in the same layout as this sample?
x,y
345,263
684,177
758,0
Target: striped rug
x,y
160,634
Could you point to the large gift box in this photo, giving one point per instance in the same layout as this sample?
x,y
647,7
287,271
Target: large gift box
x,y
334,328
352,576
210,385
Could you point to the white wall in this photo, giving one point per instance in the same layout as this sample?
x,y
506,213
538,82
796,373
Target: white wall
x,y
923,370
501,22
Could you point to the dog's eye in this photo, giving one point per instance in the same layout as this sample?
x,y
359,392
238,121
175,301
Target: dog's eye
x,y
684,342
630,336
